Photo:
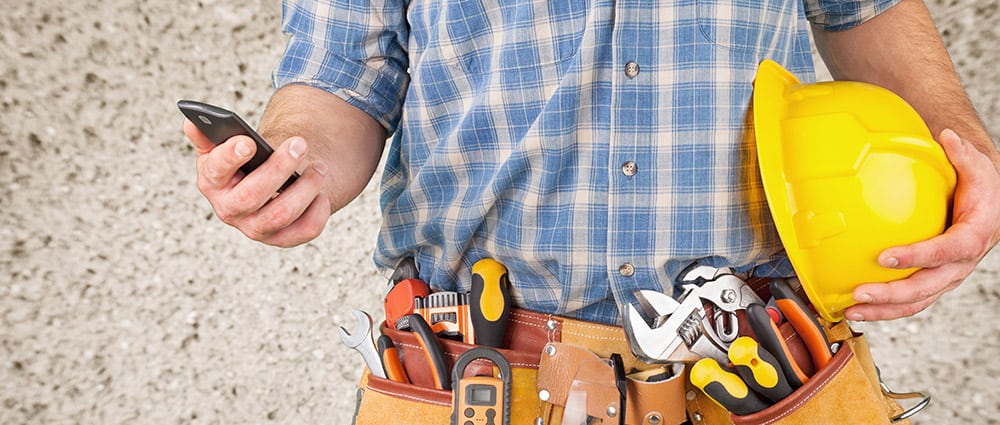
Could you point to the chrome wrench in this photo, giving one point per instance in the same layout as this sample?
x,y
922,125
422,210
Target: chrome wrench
x,y
361,340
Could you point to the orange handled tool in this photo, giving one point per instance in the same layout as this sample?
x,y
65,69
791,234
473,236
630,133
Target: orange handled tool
x,y
432,350
770,338
399,298
390,360
489,302
803,321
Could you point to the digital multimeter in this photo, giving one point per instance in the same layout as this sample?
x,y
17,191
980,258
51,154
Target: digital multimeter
x,y
481,400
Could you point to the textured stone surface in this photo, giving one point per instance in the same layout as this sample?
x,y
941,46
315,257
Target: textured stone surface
x,y
122,300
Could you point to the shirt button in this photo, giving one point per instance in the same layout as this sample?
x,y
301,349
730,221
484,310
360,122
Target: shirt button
x,y
629,168
626,270
631,69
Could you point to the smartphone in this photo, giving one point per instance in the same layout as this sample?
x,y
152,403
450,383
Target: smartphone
x,y
219,125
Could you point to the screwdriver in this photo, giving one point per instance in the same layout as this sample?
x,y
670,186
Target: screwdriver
x,y
770,338
803,321
489,302
759,369
725,387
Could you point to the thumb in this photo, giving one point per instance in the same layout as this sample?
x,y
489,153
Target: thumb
x,y
197,138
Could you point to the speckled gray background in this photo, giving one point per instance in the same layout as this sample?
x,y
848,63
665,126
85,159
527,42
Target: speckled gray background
x,y
122,300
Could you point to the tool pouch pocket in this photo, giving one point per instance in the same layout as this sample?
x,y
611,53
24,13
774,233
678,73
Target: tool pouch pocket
x,y
579,387
418,402
847,390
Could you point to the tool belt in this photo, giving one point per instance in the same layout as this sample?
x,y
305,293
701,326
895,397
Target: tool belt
x,y
559,372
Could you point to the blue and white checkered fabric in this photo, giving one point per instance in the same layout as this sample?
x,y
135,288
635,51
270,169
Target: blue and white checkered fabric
x,y
593,147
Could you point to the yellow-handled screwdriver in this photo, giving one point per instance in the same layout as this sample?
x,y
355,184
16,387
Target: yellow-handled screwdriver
x,y
759,369
489,302
725,387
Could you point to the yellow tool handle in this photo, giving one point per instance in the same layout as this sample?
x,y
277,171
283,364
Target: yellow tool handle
x,y
489,302
759,369
725,387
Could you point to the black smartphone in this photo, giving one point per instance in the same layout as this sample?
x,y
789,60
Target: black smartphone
x,y
219,125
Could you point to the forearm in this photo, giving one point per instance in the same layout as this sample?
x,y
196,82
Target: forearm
x,y
902,51
348,140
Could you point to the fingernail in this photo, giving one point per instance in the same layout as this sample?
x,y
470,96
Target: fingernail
x,y
890,262
243,148
863,298
297,148
857,317
320,167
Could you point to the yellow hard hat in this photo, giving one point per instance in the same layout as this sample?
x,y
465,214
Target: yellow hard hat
x,y
849,169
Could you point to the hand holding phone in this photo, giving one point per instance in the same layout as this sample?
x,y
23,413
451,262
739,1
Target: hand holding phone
x,y
219,125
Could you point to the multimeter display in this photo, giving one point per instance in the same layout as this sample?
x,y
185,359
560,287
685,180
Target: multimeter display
x,y
481,395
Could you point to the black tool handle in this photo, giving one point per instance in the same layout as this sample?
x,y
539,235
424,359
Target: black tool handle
x,y
436,359
489,302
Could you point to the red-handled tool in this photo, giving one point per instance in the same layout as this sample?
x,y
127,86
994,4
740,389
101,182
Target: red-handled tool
x,y
770,338
803,321
489,302
399,298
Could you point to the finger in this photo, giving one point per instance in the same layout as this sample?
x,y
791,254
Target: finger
x,y
288,207
217,167
874,312
197,138
922,285
273,173
309,225
958,243
971,165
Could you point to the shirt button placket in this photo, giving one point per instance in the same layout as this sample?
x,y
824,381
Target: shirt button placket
x,y
626,270
631,69
629,169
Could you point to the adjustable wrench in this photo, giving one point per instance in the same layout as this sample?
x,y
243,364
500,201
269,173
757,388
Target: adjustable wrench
x,y
681,330
362,341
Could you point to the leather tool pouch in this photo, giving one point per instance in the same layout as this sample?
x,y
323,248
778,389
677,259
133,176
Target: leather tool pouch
x,y
560,375
420,403
848,390
529,338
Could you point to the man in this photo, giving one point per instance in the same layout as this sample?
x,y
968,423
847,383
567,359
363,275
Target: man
x,y
594,148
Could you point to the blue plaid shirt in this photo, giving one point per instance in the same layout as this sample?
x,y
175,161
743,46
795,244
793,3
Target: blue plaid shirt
x,y
593,147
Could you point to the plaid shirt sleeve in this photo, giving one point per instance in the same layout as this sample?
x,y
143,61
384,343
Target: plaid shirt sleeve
x,y
843,15
354,49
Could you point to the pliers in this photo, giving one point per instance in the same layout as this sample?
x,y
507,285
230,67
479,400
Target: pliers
x,y
668,330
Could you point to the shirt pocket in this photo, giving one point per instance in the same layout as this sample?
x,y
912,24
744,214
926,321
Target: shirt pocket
x,y
749,26
481,38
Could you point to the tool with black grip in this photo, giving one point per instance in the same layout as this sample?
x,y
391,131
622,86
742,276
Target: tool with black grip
x,y
390,360
759,369
725,387
431,348
489,302
481,399
770,338
804,322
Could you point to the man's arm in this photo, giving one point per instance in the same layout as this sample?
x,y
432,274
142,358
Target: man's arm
x,y
334,145
902,51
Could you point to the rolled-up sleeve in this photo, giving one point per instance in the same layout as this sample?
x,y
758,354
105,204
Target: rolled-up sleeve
x,y
353,49
834,15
